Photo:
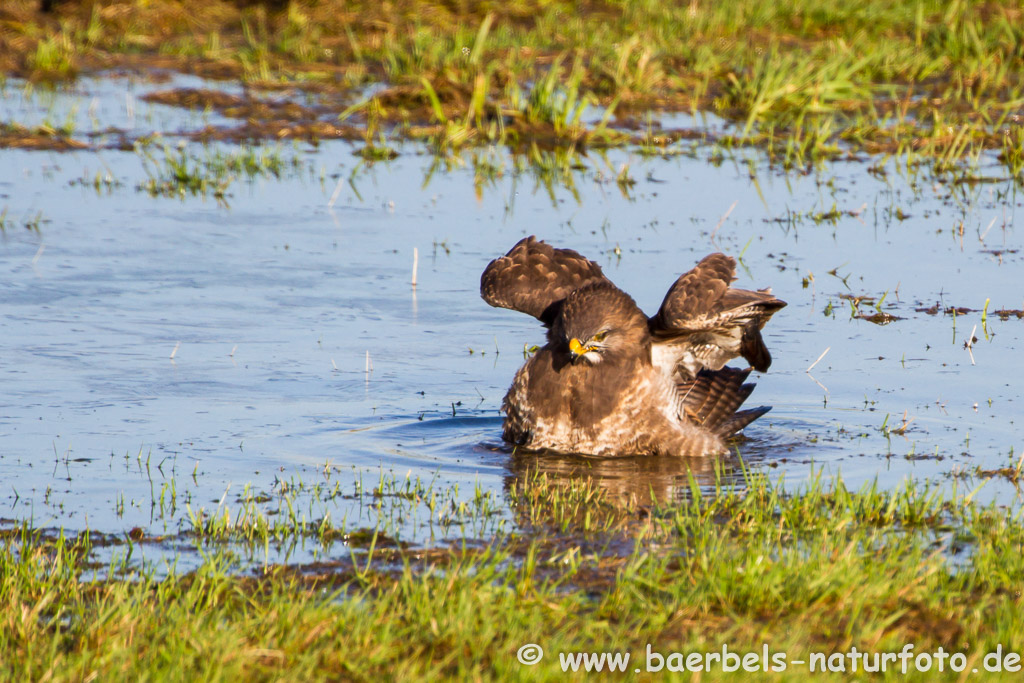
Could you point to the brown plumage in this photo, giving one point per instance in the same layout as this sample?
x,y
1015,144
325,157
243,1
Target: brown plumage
x,y
534,277
610,380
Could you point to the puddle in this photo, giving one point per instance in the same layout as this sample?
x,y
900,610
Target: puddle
x,y
145,341
90,106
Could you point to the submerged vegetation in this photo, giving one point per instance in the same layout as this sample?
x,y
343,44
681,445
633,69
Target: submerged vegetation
x,y
936,82
822,569
181,172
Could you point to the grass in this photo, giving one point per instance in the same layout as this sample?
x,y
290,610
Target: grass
x,y
29,221
183,172
45,136
817,569
937,81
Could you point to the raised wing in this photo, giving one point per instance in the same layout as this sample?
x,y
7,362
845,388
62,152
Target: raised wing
x,y
697,295
534,277
703,323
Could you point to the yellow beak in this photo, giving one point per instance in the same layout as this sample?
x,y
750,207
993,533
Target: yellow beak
x,y
576,347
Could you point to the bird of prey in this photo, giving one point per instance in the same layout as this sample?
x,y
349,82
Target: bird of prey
x,y
611,381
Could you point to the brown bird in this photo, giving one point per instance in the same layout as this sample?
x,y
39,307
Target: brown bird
x,y
610,380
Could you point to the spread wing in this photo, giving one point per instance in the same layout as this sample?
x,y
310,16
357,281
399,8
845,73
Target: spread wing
x,y
534,277
703,323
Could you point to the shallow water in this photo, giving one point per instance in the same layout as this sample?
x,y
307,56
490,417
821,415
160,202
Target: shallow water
x,y
149,340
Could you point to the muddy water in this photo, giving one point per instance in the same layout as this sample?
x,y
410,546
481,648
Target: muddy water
x,y
149,341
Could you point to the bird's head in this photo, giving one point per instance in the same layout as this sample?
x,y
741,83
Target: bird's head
x,y
600,323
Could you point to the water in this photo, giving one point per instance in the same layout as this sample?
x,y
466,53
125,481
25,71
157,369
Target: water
x,y
145,341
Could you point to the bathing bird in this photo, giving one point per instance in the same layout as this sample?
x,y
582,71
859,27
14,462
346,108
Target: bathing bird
x,y
611,381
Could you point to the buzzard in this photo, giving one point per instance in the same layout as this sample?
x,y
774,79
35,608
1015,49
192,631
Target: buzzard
x,y
610,380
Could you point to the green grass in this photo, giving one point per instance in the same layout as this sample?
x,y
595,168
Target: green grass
x,y
816,569
53,58
937,80
183,172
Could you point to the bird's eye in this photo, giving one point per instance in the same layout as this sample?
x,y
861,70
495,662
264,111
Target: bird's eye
x,y
599,337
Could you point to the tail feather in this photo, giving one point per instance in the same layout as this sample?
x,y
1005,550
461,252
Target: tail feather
x,y
740,420
712,398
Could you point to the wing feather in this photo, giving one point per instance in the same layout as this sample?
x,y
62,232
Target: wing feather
x,y
697,294
534,278
703,322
